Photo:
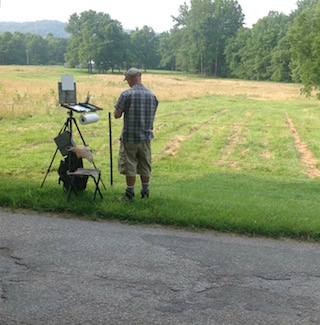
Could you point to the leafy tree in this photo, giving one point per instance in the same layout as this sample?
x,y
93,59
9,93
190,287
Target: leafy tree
x,y
56,49
202,36
305,44
229,18
87,48
181,20
113,51
145,44
37,48
86,37
182,45
280,68
257,54
197,37
93,35
167,51
73,27
304,4
237,54
265,37
23,49
206,27
12,48
96,40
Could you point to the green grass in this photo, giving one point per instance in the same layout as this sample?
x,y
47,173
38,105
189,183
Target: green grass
x,y
220,162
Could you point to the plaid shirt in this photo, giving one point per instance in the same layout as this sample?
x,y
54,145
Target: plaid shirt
x,y
139,106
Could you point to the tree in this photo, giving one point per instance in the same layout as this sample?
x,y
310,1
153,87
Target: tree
x,y
229,18
305,45
56,49
145,44
87,35
73,27
258,54
205,29
195,29
304,4
113,51
12,48
265,37
237,54
37,48
96,41
93,36
281,62
202,36
167,51
181,20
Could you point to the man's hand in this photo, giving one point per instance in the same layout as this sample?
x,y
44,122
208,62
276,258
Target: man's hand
x,y
117,114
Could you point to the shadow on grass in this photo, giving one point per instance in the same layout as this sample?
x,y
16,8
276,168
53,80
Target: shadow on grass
x,y
249,205
222,202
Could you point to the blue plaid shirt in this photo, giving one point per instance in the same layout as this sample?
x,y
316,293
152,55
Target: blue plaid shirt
x,y
139,106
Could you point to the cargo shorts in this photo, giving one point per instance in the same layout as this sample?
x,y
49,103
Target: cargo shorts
x,y
135,158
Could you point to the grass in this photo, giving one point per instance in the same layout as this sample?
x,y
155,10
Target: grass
x,y
229,155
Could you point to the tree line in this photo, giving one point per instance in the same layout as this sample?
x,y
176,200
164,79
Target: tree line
x,y
208,38
19,48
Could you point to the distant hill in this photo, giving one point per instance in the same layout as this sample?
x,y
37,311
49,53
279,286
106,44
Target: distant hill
x,y
41,27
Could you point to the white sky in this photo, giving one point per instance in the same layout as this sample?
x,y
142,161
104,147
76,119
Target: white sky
x,y
131,13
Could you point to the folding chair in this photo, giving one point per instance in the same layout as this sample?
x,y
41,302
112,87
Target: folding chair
x,y
95,174
67,146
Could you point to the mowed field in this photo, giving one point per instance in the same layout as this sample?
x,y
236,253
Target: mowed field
x,y
228,155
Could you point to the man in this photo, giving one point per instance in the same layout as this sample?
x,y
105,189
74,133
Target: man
x,y
138,105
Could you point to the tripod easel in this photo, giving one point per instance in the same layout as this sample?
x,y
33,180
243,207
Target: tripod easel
x,y
68,127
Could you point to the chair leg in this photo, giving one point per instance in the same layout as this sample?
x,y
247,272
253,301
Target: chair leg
x,y
71,188
97,189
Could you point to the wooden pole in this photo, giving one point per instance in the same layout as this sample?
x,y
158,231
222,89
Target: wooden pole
x,y
110,146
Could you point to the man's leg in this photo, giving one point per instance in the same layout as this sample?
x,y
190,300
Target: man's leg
x,y
129,194
130,181
130,159
145,186
144,167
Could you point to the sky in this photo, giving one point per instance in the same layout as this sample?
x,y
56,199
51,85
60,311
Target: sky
x,y
130,13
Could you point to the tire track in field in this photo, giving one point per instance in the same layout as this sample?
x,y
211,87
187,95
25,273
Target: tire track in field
x,y
306,155
237,137
174,145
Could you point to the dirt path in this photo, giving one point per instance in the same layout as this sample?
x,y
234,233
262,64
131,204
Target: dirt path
x,y
174,145
237,137
306,155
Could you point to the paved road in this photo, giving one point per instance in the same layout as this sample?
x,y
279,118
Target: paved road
x,y
65,271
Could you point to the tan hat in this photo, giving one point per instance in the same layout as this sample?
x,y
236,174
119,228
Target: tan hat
x,y
132,72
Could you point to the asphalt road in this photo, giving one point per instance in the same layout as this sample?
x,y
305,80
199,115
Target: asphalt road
x,y
64,271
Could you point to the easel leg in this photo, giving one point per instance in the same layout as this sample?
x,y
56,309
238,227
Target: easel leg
x,y
54,156
76,124
64,127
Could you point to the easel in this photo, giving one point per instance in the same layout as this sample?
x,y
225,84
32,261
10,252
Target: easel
x,y
67,127
68,92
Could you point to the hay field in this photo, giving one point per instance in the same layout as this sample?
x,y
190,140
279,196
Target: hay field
x,y
25,90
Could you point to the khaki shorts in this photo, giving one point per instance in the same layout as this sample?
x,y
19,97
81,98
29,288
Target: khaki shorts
x,y
135,159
